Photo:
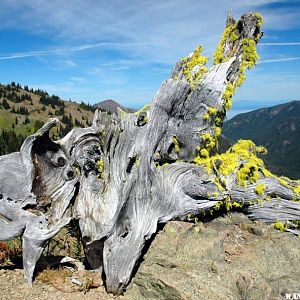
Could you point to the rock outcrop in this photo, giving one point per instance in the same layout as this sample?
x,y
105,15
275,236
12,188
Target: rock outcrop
x,y
230,257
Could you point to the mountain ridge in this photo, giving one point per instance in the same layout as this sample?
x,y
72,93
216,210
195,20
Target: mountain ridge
x,y
112,106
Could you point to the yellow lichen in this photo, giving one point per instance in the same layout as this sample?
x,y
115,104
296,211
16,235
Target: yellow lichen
x,y
176,144
250,55
248,173
213,194
218,131
233,36
206,117
229,30
227,48
209,141
163,165
260,19
231,161
266,172
260,189
100,167
281,226
283,182
219,121
212,111
240,80
138,162
218,205
204,153
193,66
218,184
237,204
242,158
77,170
227,204
260,202
297,190
261,150
227,96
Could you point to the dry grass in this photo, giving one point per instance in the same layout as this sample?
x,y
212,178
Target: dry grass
x,y
64,244
61,279
9,251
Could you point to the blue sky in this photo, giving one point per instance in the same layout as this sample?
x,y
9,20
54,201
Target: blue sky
x,y
95,50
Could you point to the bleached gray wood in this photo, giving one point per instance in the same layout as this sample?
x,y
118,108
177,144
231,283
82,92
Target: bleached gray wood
x,y
37,185
123,176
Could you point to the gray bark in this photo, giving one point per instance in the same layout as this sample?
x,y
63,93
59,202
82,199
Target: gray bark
x,y
129,172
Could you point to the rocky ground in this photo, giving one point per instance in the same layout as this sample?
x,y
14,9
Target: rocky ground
x,y
228,258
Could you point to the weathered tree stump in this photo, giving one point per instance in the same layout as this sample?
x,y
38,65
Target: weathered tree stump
x,y
129,172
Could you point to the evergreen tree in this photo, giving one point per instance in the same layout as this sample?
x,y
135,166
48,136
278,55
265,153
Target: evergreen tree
x,y
26,121
5,104
10,142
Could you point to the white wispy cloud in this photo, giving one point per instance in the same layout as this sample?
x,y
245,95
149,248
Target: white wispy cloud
x,y
280,44
69,63
64,50
279,60
80,80
170,28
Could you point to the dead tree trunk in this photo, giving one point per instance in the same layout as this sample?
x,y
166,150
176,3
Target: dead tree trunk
x,y
129,172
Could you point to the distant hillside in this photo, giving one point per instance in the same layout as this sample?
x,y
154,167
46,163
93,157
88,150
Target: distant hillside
x,y
277,128
24,110
112,106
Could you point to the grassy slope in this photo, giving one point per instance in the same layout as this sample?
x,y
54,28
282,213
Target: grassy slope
x,y
7,118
